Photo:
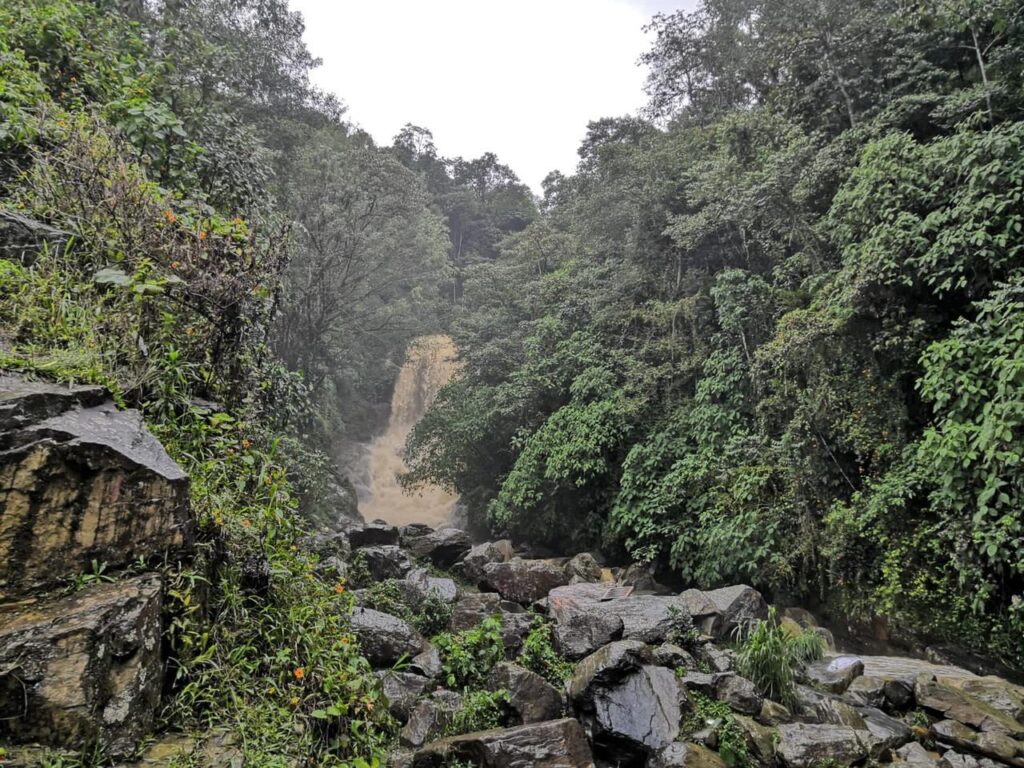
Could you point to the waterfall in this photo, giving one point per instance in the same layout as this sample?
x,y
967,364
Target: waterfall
x,y
429,364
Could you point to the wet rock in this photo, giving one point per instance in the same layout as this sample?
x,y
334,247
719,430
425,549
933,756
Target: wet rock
x,y
386,562
739,693
635,717
583,568
683,755
384,638
899,694
995,745
953,704
442,547
553,744
424,584
82,668
760,739
523,581
867,691
773,713
607,666
401,758
674,657
649,618
372,535
474,607
818,707
332,544
472,565
738,605
427,662
579,632
81,481
1002,695
532,698
887,733
702,682
714,658
402,690
514,629
705,614
804,619
834,674
429,718
805,745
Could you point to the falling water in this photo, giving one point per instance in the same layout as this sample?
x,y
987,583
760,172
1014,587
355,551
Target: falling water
x,y
429,365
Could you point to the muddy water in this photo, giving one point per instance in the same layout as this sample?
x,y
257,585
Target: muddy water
x,y
429,364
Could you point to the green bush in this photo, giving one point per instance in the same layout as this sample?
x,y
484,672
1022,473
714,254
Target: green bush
x,y
467,657
538,654
479,711
771,655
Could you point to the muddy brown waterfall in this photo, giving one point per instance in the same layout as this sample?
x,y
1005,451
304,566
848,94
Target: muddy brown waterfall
x,y
429,365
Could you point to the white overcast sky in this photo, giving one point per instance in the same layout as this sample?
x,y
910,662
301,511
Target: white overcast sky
x,y
520,79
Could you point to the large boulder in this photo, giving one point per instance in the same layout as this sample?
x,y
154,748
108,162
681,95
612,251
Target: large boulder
x,y
371,534
474,607
81,482
806,745
552,744
991,744
384,638
578,634
523,581
636,717
583,568
386,561
952,704
442,547
422,584
607,666
631,708
82,668
531,698
886,733
429,718
474,561
649,618
737,605
739,693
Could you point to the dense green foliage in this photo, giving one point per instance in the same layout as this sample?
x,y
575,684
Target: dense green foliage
x,y
770,333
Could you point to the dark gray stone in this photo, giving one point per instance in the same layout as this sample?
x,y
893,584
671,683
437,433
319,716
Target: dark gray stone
x,y
402,690
636,717
553,744
442,547
607,666
372,535
804,745
472,564
384,638
386,561
683,755
429,718
532,698
887,733
583,568
739,693
737,605
523,581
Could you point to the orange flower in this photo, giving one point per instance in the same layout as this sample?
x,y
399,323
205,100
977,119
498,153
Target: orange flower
x,y
169,215
246,523
175,264
339,589
246,444
237,221
202,234
299,673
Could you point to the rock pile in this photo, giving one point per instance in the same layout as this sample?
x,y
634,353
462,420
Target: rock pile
x,y
636,695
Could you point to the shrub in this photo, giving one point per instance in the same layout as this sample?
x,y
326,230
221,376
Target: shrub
x,y
434,615
467,657
479,711
771,654
540,656
716,715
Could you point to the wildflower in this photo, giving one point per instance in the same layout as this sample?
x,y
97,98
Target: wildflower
x,y
169,215
202,234
295,701
299,673
175,265
237,221
368,703
246,444
246,523
339,589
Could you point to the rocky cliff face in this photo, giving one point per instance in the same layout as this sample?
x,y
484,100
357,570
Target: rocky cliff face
x,y
83,486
